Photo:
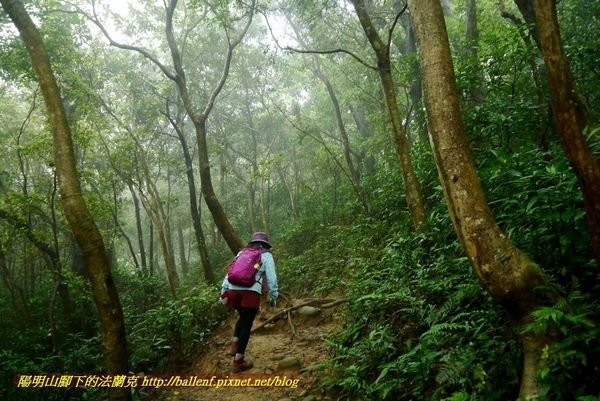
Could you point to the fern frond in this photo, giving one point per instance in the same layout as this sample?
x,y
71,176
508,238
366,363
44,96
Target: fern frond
x,y
442,329
450,374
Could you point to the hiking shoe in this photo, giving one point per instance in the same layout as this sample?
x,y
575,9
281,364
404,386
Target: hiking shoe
x,y
233,346
240,365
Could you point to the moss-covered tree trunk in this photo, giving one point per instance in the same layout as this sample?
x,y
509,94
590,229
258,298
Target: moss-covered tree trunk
x,y
504,270
74,206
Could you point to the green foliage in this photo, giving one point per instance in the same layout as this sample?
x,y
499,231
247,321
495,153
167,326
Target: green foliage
x,y
166,335
536,199
420,327
570,362
579,21
163,332
322,260
30,352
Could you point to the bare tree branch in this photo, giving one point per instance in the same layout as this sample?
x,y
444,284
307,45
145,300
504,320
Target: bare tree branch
x,y
144,52
291,49
232,45
391,32
301,51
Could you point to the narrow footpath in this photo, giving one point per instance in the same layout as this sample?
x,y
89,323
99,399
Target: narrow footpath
x,y
285,343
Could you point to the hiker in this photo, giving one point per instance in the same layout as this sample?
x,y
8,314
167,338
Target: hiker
x,y
244,296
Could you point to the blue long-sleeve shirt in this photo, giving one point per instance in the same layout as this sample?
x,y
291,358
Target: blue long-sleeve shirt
x,y
267,269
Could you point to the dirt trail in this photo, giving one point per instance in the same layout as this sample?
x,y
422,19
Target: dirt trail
x,y
269,348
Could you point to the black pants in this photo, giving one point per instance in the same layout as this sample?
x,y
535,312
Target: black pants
x,y
243,327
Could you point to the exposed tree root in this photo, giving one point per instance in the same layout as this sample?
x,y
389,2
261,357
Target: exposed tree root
x,y
323,303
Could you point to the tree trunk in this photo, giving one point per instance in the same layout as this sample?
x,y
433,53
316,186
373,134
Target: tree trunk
x,y
50,253
504,270
571,116
416,94
354,172
194,207
411,184
289,187
219,216
472,55
153,205
199,120
185,267
529,36
76,211
121,230
526,7
264,204
363,127
138,226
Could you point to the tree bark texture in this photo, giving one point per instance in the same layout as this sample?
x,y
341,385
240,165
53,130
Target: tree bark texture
x,y
571,116
504,270
526,7
411,184
476,91
138,227
75,208
354,172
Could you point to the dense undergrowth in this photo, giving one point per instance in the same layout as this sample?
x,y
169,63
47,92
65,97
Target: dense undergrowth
x,y
163,335
420,326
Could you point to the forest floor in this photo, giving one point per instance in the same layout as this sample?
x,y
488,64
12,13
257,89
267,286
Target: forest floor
x,y
284,344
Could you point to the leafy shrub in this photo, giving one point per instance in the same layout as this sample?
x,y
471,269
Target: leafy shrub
x,y
536,198
165,336
327,258
571,362
420,327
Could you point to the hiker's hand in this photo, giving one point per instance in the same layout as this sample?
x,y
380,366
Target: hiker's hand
x,y
223,298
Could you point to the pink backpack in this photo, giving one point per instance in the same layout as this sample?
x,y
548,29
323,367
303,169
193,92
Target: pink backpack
x,y
242,269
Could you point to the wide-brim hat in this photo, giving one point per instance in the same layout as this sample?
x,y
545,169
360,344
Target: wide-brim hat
x,y
261,237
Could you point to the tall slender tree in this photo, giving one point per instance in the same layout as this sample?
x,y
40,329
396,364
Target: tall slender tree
x,y
381,49
198,116
177,124
353,169
73,203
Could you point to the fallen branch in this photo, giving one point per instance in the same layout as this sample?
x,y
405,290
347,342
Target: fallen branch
x,y
333,303
322,303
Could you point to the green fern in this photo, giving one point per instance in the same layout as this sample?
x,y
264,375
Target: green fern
x,y
459,396
442,329
450,374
